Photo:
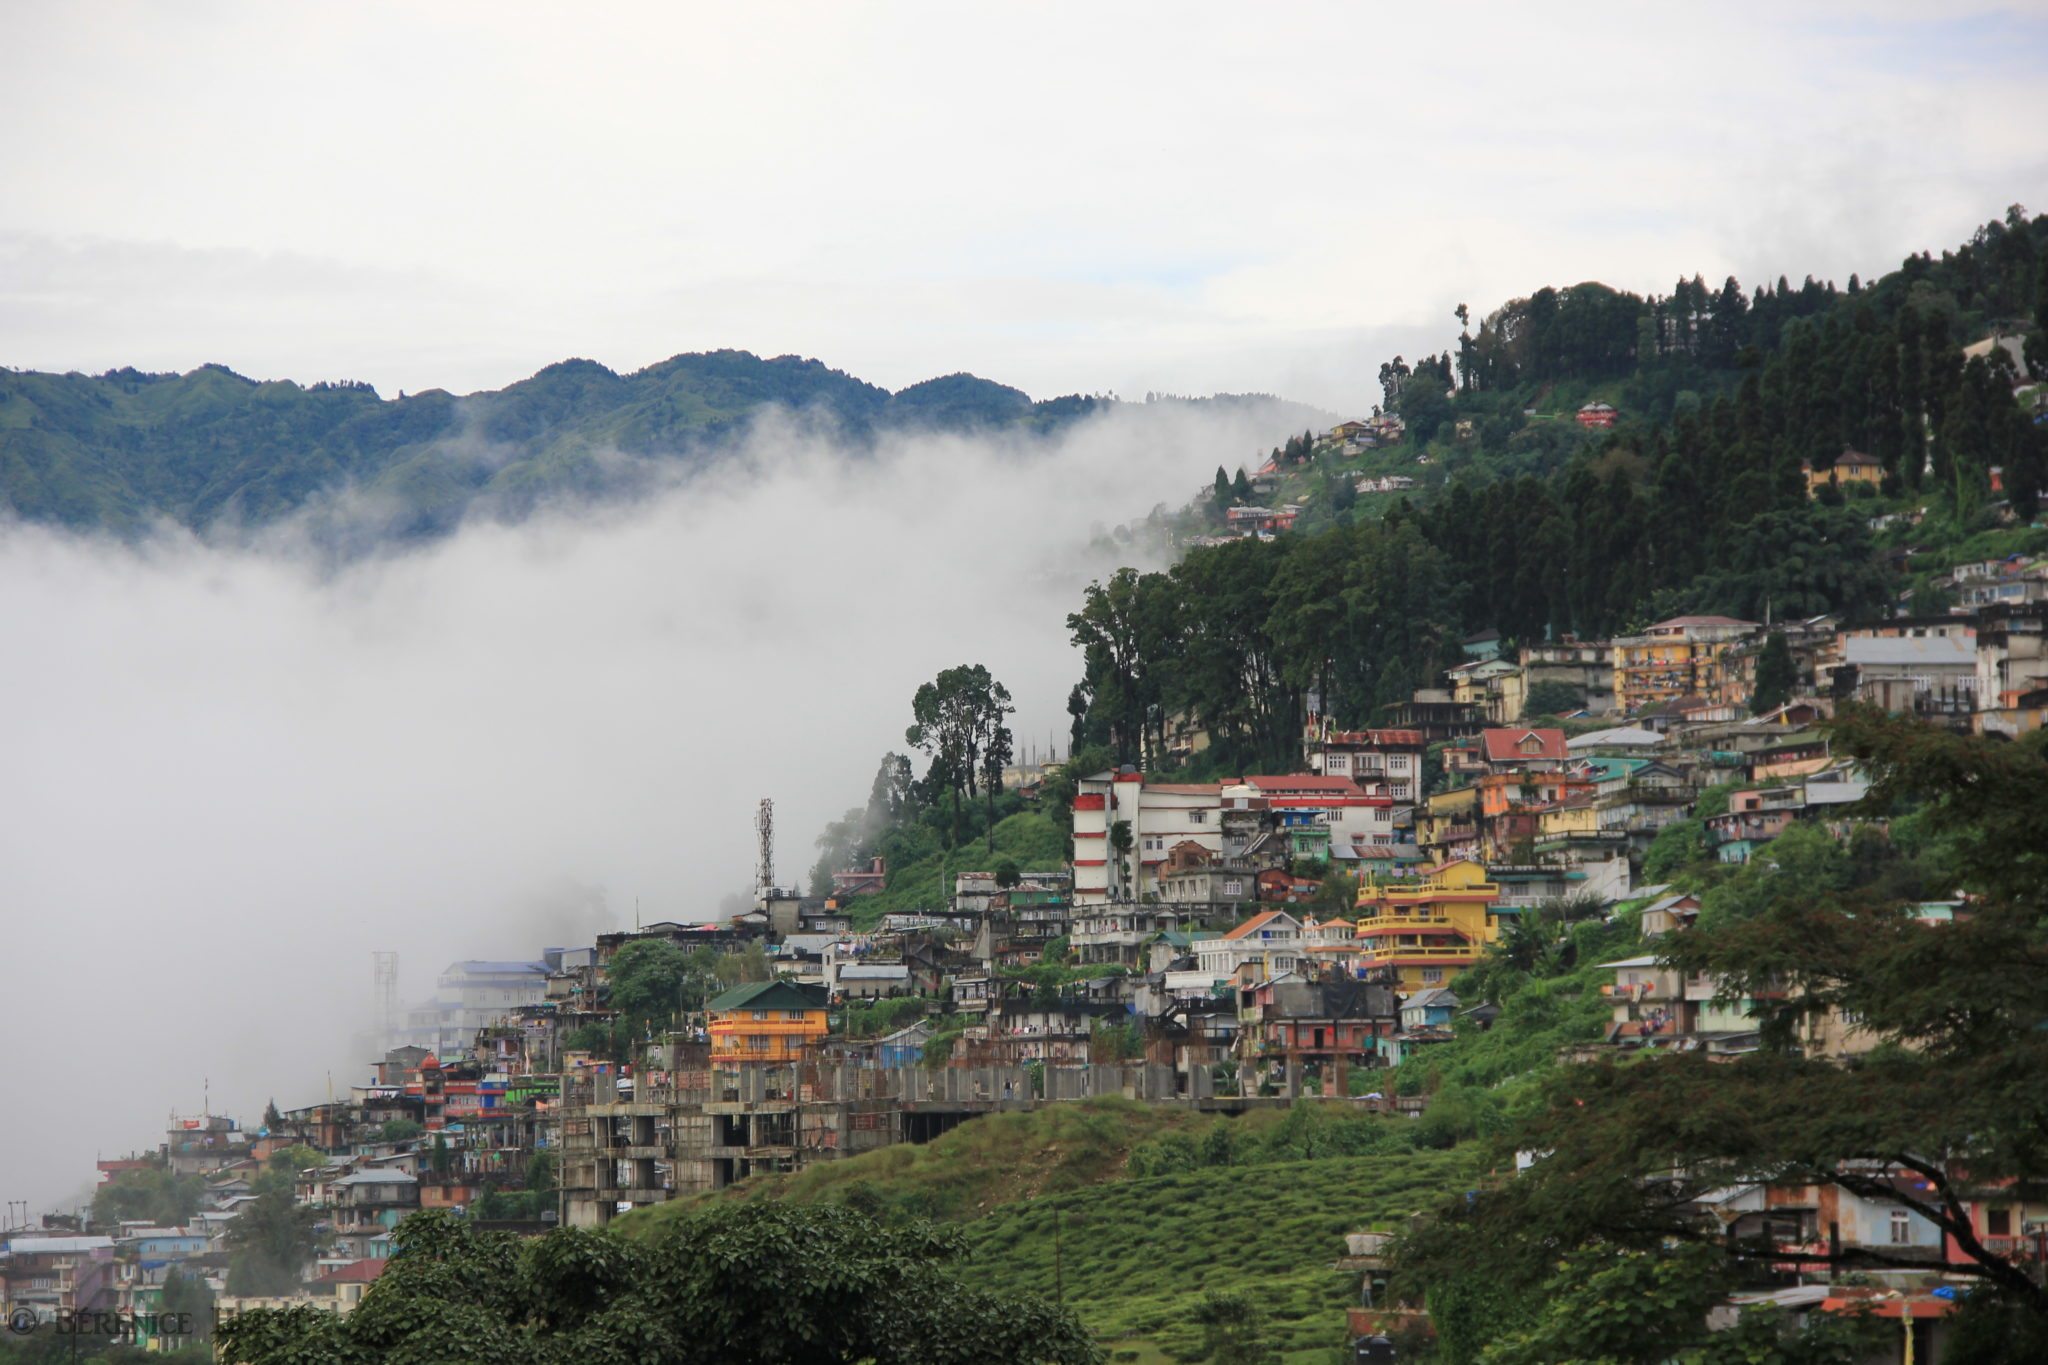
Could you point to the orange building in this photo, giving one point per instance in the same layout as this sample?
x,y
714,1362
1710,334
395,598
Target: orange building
x,y
1428,929
765,1021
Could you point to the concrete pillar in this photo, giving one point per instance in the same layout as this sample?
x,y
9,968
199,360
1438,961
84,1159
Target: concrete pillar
x,y
1291,1088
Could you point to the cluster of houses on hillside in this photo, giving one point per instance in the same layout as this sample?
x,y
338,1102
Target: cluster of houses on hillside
x,y
1193,949
1982,666
1346,440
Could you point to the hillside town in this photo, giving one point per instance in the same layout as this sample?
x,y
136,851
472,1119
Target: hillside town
x,y
1223,945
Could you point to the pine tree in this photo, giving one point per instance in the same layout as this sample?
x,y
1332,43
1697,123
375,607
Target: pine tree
x,y
1775,676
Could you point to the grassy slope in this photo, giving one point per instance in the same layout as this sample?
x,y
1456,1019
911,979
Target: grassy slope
x,y
1540,1015
981,1165
1136,1255
1035,842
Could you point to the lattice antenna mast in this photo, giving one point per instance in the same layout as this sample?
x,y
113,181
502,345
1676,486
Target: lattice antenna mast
x,y
764,826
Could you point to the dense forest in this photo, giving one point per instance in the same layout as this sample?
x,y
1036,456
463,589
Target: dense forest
x,y
1694,501
120,450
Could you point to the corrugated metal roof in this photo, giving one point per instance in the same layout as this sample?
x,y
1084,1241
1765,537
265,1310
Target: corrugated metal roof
x,y
57,1246
1946,651
378,1176
1620,734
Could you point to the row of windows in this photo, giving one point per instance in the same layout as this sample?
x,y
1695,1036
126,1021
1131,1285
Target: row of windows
x,y
1339,763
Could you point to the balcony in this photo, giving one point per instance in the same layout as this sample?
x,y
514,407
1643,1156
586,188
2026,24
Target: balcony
x,y
2014,1248
1464,952
767,1028
777,1050
1381,926
1111,938
1639,990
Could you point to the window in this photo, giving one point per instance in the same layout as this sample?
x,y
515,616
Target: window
x,y
760,1014
1998,1222
1432,975
1338,763
1234,886
1198,817
1902,1227
1397,763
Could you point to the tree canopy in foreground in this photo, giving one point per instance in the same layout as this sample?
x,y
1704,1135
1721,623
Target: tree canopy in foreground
x,y
732,1284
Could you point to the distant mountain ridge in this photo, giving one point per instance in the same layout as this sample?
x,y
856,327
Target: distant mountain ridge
x,y
122,450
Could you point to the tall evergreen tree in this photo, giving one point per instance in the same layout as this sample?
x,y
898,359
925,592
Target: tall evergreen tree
x,y
1775,675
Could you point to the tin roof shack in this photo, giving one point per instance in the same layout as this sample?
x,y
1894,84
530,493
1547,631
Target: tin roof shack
x,y
872,980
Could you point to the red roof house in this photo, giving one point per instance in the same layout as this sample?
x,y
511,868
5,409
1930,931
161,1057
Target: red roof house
x,y
1522,748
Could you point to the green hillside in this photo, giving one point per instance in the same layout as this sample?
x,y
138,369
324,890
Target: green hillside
x,y
1136,1258
1136,1212
121,450
979,1166
921,872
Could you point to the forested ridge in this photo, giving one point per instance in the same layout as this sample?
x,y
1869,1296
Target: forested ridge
x,y
120,450
1528,522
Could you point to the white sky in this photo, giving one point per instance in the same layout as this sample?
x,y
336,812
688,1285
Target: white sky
x,y
1182,197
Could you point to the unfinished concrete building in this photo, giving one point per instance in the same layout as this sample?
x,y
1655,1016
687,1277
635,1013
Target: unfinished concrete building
x,y
691,1132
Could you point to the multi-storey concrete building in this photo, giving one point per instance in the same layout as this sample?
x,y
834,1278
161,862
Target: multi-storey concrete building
x,y
1584,666
2012,670
1675,658
1427,930
764,1023
1374,759
1157,816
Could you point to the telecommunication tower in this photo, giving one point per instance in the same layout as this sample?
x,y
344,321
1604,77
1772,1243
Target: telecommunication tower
x,y
764,826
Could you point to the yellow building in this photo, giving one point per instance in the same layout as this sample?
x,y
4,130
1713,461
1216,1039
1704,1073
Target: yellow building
x,y
765,1021
1565,819
1672,659
1430,929
1850,469
1449,823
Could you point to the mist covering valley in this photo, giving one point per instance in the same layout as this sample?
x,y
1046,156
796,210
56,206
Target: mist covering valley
x,y
236,767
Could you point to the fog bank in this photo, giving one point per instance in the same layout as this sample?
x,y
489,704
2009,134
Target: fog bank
x,y
228,774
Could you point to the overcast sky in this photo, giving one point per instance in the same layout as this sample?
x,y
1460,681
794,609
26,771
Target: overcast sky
x,y
1183,197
